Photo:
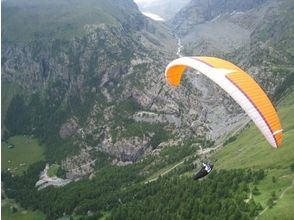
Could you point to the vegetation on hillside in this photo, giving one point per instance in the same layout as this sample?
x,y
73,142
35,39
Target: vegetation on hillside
x,y
120,191
52,19
250,149
249,178
41,118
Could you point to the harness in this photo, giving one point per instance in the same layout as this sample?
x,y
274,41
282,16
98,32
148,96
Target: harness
x,y
207,168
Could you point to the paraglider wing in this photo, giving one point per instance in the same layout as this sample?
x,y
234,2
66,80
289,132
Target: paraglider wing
x,y
239,85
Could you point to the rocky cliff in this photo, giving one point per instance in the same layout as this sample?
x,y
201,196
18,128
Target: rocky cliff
x,y
244,32
75,71
92,76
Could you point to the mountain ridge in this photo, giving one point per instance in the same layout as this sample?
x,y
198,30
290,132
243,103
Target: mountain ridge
x,y
99,104
87,82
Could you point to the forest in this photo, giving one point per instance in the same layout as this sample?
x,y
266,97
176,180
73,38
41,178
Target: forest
x,y
122,193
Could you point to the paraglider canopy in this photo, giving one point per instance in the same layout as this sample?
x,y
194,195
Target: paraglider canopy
x,y
239,85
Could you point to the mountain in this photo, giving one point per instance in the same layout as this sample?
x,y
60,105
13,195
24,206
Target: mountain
x,y
249,33
203,11
257,35
77,66
28,20
86,80
95,81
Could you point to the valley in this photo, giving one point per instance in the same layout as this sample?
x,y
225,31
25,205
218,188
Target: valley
x,y
84,102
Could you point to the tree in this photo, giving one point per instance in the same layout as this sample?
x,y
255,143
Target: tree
x,y
292,167
259,175
255,191
270,203
18,118
274,195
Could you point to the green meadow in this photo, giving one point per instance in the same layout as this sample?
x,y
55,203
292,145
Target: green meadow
x,y
250,150
18,152
53,169
21,214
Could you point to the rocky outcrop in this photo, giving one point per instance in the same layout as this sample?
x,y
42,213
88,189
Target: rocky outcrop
x,y
235,30
219,27
68,129
79,165
130,149
46,181
200,12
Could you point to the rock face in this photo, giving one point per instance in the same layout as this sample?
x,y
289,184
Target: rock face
x,y
79,165
103,84
126,149
235,30
68,129
46,181
204,11
219,27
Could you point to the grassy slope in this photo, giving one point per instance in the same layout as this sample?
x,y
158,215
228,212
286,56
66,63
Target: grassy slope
x,y
25,20
29,149
250,150
53,170
21,215
284,208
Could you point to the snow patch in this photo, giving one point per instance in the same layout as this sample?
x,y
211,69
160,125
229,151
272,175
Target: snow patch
x,y
153,16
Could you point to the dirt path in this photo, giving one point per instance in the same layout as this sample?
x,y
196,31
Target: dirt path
x,y
250,197
201,151
289,187
280,197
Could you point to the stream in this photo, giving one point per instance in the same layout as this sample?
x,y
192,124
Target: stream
x,y
180,47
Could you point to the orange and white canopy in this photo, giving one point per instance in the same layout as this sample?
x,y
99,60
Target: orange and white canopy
x,y
239,85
